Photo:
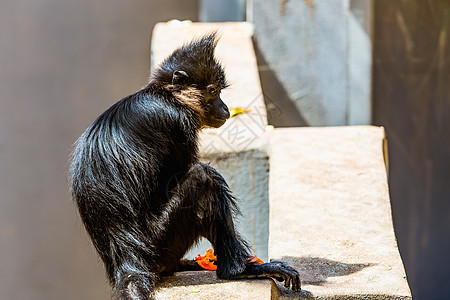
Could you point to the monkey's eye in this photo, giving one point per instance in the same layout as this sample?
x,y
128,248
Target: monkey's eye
x,y
213,90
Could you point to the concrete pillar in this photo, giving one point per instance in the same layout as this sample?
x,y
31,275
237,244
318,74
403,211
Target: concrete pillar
x,y
222,10
320,51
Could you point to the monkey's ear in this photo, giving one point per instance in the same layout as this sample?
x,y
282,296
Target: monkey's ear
x,y
179,77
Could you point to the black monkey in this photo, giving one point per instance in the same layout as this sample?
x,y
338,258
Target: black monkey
x,y
140,189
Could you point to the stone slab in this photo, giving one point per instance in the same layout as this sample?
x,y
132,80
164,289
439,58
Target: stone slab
x,y
321,51
204,285
330,213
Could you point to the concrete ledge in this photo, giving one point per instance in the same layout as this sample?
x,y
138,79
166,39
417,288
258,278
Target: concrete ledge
x,y
330,213
204,285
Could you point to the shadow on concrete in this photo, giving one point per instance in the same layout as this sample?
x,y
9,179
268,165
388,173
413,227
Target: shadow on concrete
x,y
281,111
313,271
195,278
316,271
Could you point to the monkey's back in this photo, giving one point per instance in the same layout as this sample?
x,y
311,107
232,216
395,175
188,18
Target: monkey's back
x,y
123,163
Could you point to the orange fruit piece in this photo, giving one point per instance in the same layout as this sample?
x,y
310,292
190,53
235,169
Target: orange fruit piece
x,y
207,261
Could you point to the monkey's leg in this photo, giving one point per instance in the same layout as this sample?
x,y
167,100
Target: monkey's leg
x,y
201,204
217,206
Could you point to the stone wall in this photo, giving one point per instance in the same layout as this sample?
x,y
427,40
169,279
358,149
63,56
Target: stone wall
x,y
321,53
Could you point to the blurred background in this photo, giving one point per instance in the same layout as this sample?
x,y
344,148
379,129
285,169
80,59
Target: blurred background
x,y
321,62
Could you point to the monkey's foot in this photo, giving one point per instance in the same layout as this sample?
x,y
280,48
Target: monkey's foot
x,y
281,271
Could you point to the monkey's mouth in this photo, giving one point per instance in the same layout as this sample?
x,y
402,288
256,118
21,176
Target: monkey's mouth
x,y
217,122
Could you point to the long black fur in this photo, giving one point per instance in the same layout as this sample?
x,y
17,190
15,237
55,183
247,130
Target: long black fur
x,y
141,191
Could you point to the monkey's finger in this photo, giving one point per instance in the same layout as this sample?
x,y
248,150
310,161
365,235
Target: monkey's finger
x,y
287,282
296,285
293,278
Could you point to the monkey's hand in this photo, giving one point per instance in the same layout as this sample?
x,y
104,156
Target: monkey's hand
x,y
281,271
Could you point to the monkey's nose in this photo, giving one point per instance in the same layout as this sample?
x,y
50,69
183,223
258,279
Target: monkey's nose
x,y
226,111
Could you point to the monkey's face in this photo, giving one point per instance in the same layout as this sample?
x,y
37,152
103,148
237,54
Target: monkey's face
x,y
215,110
193,75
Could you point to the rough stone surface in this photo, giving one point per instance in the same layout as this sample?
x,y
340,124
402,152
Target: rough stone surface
x,y
239,148
306,47
321,53
205,285
330,213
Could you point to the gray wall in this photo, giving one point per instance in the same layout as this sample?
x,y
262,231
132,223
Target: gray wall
x,y
411,100
61,64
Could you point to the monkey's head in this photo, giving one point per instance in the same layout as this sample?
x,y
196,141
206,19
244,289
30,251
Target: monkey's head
x,y
194,77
